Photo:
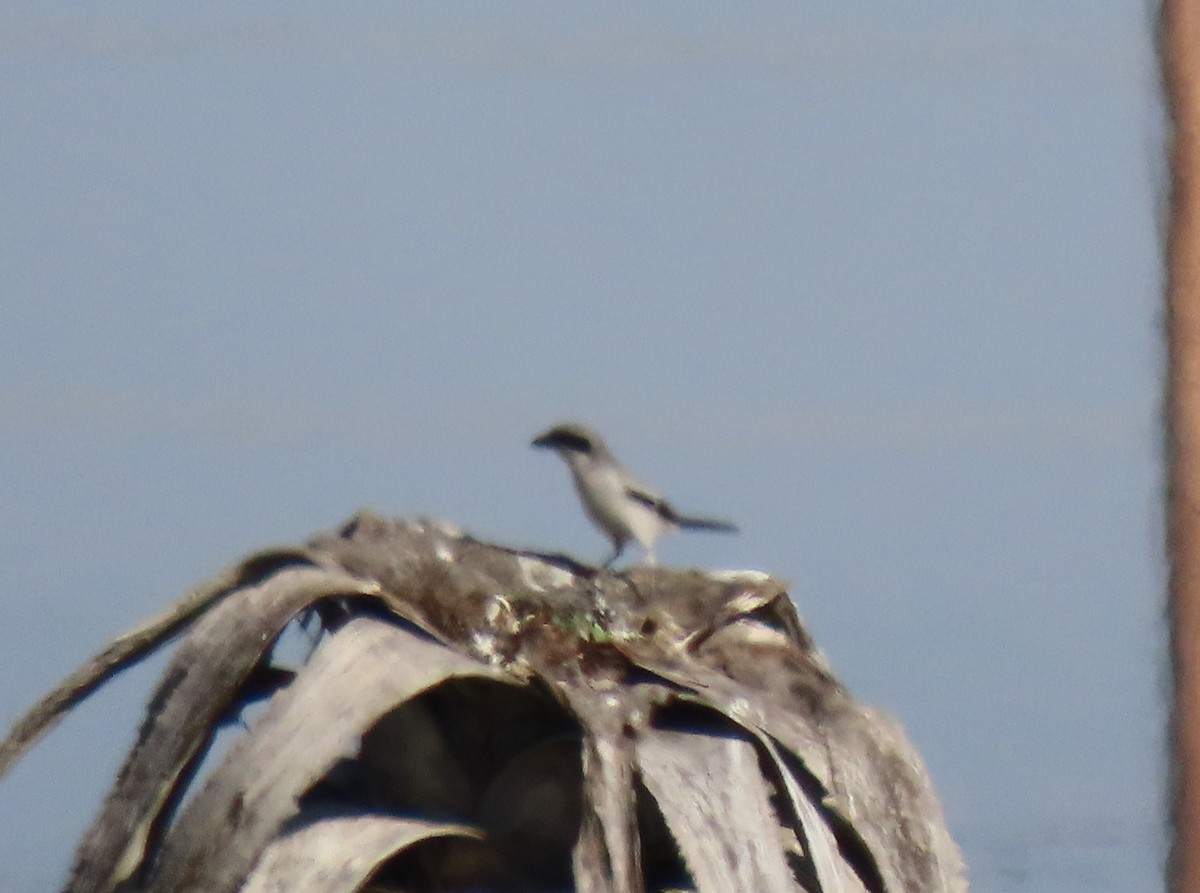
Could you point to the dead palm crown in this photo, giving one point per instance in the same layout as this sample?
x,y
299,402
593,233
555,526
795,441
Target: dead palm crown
x,y
476,718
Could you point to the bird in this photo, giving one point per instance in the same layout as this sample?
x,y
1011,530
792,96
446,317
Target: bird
x,y
621,506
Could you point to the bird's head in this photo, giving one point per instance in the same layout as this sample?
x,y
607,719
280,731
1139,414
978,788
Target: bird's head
x,y
575,443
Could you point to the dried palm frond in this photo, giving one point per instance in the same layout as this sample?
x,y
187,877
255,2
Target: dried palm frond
x,y
478,718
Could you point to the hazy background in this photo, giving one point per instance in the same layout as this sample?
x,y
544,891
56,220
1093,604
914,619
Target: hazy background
x,y
876,280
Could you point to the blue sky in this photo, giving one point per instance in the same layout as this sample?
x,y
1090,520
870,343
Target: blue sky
x,y
878,283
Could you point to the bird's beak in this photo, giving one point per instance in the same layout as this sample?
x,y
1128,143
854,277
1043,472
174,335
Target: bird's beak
x,y
542,441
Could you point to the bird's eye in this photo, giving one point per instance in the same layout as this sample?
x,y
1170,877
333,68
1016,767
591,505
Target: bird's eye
x,y
577,444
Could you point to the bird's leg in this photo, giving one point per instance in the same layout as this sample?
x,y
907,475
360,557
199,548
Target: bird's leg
x,y
618,548
649,560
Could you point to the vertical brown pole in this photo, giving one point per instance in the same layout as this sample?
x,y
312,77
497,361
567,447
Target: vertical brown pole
x,y
1180,51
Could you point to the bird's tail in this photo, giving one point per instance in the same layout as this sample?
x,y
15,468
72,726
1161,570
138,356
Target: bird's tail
x,y
689,523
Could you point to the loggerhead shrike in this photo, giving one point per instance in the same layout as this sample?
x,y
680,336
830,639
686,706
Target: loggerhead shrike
x,y
618,503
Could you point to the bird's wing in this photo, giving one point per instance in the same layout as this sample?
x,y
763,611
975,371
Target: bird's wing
x,y
639,492
665,511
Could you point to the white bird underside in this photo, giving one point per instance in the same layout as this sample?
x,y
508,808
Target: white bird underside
x,y
612,505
